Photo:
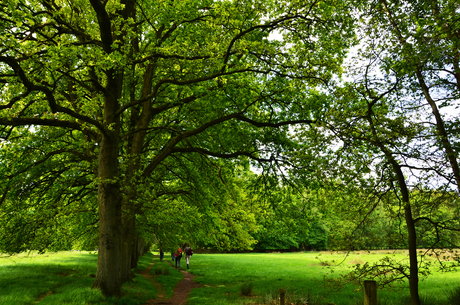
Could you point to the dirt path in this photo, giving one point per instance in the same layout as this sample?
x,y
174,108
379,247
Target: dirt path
x,y
158,286
181,291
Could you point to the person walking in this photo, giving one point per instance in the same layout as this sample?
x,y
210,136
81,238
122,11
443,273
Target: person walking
x,y
162,254
178,256
188,254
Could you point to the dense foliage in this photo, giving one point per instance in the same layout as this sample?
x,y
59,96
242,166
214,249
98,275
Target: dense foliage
x,y
125,115
230,124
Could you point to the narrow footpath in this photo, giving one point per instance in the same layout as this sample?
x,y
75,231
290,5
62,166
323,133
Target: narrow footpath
x,y
181,291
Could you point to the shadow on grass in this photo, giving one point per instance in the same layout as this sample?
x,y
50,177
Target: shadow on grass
x,y
61,278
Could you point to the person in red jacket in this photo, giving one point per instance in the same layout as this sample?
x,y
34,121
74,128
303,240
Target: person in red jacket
x,y
178,256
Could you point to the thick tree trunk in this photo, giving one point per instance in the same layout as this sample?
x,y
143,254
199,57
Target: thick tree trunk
x,y
109,256
135,147
108,277
138,250
132,248
135,256
141,246
128,246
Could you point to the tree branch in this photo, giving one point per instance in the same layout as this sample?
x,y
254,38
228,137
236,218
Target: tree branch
x,y
48,93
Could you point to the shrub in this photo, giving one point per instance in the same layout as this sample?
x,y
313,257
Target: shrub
x,y
246,289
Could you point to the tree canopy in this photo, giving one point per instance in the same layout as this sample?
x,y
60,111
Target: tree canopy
x,y
131,104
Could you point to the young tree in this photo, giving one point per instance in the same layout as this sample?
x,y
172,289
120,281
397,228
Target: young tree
x,y
411,49
419,41
118,94
374,132
419,57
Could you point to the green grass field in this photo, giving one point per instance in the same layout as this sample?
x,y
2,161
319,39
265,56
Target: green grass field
x,y
302,275
62,278
65,278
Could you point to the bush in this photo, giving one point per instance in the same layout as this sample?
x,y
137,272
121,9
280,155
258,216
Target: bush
x,y
246,289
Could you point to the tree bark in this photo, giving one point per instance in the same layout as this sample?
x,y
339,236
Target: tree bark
x,y
129,240
410,223
128,246
440,127
413,261
139,244
136,255
108,278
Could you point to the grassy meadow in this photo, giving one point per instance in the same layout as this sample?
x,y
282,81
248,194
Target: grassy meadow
x,y
301,274
226,279
64,278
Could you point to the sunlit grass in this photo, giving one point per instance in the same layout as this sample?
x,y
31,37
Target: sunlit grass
x,y
66,278
62,278
302,275
53,278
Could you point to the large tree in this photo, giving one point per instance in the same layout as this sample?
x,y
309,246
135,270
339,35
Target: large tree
x,y
125,95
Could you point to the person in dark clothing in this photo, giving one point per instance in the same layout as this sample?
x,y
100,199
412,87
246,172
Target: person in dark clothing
x,y
188,254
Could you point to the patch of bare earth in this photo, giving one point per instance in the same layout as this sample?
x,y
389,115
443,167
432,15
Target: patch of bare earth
x,y
43,295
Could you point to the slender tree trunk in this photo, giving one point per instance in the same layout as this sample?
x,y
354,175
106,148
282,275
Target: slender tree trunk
x,y
445,142
413,261
410,223
440,127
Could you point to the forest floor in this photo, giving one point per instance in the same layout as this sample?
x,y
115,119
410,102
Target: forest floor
x,y
181,291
